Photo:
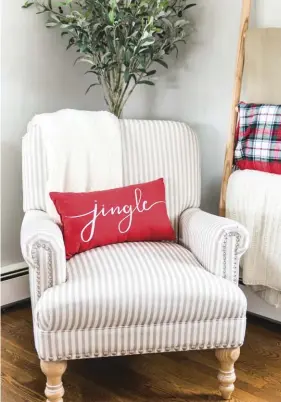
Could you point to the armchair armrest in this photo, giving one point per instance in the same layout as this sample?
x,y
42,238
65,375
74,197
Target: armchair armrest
x,y
218,243
43,249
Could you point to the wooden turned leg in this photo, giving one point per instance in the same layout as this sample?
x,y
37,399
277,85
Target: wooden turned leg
x,y
54,390
226,376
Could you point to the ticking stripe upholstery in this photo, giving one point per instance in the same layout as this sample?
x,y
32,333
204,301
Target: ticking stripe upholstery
x,y
153,149
150,149
34,171
218,243
137,284
135,298
120,341
131,297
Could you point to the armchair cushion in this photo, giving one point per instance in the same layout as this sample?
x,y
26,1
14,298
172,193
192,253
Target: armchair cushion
x,y
43,250
135,287
136,298
218,243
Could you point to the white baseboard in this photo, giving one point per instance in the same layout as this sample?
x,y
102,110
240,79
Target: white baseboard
x,y
257,306
14,283
13,267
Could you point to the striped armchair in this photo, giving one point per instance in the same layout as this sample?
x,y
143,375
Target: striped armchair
x,y
136,298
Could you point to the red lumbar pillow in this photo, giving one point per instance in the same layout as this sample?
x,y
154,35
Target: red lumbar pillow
x,y
132,213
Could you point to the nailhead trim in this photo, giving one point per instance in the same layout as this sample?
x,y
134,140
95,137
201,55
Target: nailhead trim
x,y
140,351
35,257
235,269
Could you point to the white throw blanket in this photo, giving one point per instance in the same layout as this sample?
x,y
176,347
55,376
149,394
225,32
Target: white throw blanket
x,y
254,199
83,152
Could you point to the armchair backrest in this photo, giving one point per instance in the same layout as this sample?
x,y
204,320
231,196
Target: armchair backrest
x,y
150,150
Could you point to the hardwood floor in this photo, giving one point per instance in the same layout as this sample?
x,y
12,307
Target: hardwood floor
x,y
173,377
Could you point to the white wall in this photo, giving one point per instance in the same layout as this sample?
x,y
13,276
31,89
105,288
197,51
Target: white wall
x,y
198,89
267,13
38,77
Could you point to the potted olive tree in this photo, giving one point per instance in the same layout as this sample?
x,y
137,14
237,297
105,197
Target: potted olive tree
x,y
121,40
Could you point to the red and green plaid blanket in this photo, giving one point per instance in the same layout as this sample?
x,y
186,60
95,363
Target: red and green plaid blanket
x,y
258,142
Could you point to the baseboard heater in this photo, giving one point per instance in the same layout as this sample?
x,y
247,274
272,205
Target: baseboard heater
x,y
14,284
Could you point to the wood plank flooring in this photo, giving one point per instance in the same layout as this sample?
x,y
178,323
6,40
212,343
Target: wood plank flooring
x,y
169,377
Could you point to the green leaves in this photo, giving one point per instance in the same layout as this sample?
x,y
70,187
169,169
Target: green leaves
x,y
111,16
147,42
65,3
146,82
181,23
113,4
51,24
27,4
162,62
83,59
189,6
91,86
126,75
150,73
120,39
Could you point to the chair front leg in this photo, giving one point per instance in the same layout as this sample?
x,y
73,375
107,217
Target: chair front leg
x,y
226,376
53,371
